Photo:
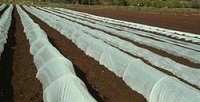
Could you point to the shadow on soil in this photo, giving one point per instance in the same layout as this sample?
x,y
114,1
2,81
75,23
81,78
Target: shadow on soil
x,y
6,63
81,75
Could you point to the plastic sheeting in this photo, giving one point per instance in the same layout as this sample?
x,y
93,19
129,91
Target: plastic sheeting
x,y
30,25
142,77
2,7
172,90
33,32
45,54
38,44
96,49
70,89
55,72
34,35
5,22
116,60
72,35
84,41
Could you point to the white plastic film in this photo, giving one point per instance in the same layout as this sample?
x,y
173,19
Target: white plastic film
x,y
84,41
5,22
115,60
30,25
74,37
60,24
96,49
45,54
67,88
38,44
170,89
141,77
53,70
2,7
34,35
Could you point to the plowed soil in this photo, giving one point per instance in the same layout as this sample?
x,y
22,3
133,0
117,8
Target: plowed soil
x,y
21,84
189,23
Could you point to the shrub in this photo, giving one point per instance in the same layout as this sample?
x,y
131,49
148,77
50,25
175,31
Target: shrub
x,y
195,3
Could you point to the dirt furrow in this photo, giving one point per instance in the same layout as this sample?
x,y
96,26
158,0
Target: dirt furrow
x,y
110,87
25,85
6,89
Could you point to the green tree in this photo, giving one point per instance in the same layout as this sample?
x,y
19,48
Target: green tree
x,y
195,3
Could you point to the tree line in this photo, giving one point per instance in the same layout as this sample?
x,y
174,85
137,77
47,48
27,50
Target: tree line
x,y
144,3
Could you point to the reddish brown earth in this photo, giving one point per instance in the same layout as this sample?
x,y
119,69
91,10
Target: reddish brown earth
x,y
189,23
104,85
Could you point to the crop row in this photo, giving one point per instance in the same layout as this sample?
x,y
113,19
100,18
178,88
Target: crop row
x,y
55,72
153,84
180,70
5,23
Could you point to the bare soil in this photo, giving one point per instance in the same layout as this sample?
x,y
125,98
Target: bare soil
x,y
189,23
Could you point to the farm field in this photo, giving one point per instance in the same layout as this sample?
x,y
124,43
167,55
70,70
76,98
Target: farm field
x,y
58,54
183,21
